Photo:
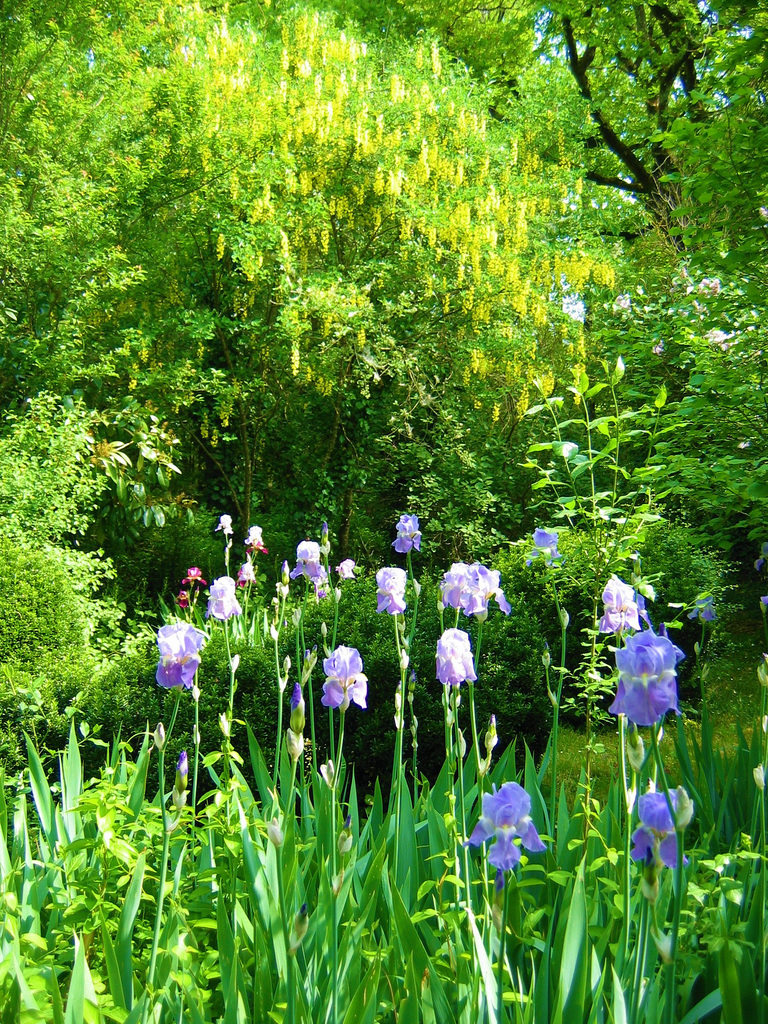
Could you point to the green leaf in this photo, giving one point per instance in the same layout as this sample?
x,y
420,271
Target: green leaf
x,y
123,945
704,1008
76,995
113,968
576,953
364,1003
138,784
728,978
41,792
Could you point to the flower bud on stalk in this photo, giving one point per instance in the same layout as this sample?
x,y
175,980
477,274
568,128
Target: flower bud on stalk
x,y
462,745
298,709
664,945
683,810
546,658
759,776
275,833
399,707
762,671
299,929
635,749
310,660
160,736
491,739
295,745
345,837
179,794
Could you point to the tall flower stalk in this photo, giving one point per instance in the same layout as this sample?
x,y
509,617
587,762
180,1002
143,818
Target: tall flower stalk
x,y
161,740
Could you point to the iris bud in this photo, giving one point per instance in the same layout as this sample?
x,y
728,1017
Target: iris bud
x,y
275,833
299,929
160,736
295,745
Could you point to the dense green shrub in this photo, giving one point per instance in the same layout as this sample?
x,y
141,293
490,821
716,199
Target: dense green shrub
x,y
125,696
40,699
39,609
678,569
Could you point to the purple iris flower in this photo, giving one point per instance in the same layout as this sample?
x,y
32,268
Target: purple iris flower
x,y
647,678
179,645
391,592
346,570
454,658
225,525
222,603
344,680
408,534
506,817
763,556
641,609
245,574
656,837
620,607
308,562
483,584
703,608
765,600
254,541
454,584
545,546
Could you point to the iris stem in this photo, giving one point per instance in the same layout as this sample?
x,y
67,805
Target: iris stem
x,y
197,758
163,864
281,690
334,908
669,1004
289,982
462,802
309,677
640,954
556,715
472,716
502,951
626,897
397,767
